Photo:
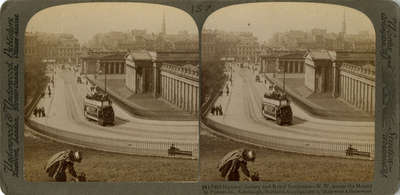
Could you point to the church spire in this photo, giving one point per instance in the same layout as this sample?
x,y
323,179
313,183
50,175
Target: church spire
x,y
164,25
344,22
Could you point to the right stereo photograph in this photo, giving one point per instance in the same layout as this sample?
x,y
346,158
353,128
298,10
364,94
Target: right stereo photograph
x,y
287,94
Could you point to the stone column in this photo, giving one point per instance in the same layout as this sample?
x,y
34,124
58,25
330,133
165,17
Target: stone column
x,y
336,81
197,99
191,98
363,96
355,92
344,87
341,95
370,98
373,100
163,86
359,94
168,89
183,95
133,78
194,99
175,96
171,86
155,80
349,89
179,94
187,97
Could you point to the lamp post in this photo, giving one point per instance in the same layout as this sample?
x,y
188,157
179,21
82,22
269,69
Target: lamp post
x,y
284,71
105,74
105,79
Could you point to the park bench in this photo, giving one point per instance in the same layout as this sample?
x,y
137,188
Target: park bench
x,y
350,151
172,151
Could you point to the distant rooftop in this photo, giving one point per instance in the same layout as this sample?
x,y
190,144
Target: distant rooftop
x,y
322,54
142,55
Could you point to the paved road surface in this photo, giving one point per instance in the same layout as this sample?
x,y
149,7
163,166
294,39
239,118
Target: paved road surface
x,y
242,110
64,111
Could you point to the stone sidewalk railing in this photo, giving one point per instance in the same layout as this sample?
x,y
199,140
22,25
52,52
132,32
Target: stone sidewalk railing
x,y
320,148
126,146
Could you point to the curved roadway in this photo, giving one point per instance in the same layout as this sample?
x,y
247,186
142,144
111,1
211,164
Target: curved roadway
x,y
242,110
64,118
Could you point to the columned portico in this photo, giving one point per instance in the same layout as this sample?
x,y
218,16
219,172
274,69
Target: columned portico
x,y
181,86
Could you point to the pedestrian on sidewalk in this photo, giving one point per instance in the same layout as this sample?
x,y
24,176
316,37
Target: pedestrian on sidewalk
x,y
217,110
43,112
39,112
35,112
213,110
220,110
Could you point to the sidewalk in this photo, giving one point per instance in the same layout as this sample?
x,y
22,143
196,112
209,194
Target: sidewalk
x,y
320,105
142,105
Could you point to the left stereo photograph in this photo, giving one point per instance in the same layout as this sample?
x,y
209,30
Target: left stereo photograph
x,y
111,94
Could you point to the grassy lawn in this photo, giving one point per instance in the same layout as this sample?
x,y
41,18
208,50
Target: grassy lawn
x,y
282,166
105,166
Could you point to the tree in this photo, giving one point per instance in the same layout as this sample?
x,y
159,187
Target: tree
x,y
35,77
212,79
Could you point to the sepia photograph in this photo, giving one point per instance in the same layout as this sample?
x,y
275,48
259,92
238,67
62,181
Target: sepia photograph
x,y
111,94
287,94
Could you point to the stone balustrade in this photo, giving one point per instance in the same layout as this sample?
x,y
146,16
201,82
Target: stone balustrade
x,y
358,70
182,71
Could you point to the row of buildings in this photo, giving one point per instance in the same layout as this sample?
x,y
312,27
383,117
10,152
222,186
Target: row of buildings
x,y
244,46
241,46
170,75
347,75
321,39
140,39
65,48
59,47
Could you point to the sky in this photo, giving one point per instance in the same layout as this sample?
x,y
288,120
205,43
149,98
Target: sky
x,y
87,19
264,19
